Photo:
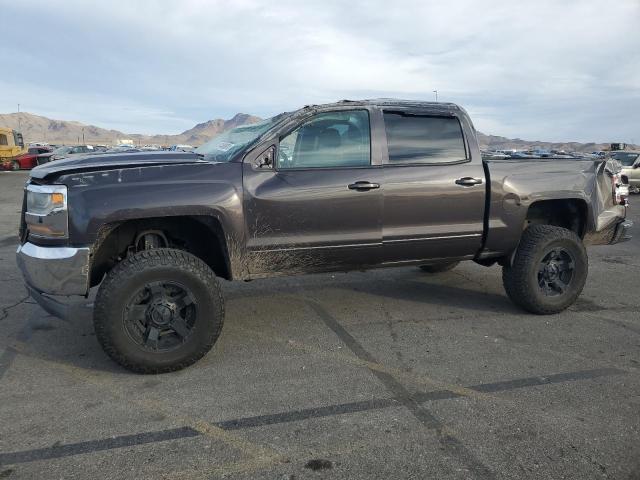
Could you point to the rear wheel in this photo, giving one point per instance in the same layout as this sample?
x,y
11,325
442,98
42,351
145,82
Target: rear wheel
x,y
158,311
549,270
439,267
15,165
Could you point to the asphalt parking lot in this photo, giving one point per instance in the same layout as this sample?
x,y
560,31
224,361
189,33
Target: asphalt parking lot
x,y
386,374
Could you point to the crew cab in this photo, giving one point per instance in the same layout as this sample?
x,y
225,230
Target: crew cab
x,y
336,187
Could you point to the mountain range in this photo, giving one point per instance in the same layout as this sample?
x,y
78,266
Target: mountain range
x,y
36,128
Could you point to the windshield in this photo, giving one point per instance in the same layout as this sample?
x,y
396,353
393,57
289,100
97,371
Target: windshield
x,y
224,147
627,159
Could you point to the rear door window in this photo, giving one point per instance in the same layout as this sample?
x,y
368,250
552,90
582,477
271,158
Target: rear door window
x,y
421,139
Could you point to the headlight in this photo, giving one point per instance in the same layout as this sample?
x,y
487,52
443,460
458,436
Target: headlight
x,y
42,200
46,214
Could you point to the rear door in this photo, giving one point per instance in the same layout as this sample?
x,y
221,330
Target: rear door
x,y
434,187
318,206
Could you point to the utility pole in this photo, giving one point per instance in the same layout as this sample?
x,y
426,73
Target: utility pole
x,y
83,135
19,121
436,92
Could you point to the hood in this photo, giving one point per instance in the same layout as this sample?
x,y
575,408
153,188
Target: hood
x,y
109,161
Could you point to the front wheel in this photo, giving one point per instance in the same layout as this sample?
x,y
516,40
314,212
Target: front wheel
x,y
158,311
15,165
549,270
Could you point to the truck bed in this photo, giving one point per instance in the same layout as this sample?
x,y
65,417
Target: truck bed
x,y
513,185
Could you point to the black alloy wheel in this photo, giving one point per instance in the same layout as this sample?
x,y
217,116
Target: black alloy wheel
x,y
160,316
555,272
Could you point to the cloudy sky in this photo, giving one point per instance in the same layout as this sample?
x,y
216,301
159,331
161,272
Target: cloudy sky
x,y
540,69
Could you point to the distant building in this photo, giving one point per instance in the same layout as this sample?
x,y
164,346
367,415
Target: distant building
x,y
124,141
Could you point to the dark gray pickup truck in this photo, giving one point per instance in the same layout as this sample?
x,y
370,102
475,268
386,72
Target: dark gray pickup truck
x,y
349,185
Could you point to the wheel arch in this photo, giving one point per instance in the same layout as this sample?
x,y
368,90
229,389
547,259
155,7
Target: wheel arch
x,y
200,235
569,213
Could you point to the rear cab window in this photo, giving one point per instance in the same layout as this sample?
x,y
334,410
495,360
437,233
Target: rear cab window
x,y
416,139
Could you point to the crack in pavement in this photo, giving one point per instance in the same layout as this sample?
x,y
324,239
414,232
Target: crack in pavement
x,y
4,311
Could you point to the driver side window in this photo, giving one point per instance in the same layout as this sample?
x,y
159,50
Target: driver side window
x,y
332,139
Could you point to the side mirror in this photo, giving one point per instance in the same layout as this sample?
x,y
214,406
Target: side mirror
x,y
265,159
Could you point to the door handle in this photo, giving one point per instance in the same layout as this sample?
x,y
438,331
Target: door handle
x,y
363,186
468,181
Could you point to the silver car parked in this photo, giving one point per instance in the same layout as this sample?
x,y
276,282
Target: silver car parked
x,y
630,161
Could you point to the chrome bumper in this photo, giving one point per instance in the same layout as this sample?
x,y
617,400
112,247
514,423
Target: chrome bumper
x,y
54,270
622,232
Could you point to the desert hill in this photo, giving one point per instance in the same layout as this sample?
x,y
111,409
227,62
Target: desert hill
x,y
36,128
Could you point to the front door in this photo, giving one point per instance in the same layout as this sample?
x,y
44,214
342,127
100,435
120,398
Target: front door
x,y
319,206
434,195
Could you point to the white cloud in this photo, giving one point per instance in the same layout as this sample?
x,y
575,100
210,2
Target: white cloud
x,y
534,69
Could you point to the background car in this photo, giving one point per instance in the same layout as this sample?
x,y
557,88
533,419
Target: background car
x,y
26,161
64,152
630,161
122,149
182,148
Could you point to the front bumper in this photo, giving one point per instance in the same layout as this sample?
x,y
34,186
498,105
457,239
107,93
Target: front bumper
x,y
54,270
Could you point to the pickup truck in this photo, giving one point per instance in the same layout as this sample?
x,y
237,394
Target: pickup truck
x,y
336,187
